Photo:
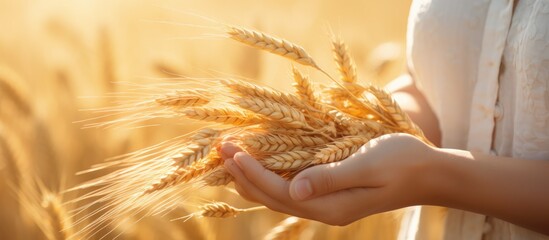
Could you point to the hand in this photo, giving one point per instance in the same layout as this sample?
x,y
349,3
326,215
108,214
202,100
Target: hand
x,y
385,174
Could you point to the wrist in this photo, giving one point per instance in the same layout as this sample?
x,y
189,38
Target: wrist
x,y
446,176
423,176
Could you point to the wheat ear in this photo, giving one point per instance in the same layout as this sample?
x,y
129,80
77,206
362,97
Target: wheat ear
x,y
359,107
345,64
279,142
272,44
340,149
305,90
400,117
199,147
188,173
282,113
287,160
244,89
289,229
218,177
59,219
221,210
184,98
230,116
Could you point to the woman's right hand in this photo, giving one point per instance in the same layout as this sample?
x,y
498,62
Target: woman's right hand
x,y
386,174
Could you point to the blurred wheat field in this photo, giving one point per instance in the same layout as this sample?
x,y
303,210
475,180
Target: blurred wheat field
x,y
55,53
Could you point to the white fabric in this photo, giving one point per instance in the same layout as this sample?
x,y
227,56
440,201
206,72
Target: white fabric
x,y
484,68
485,93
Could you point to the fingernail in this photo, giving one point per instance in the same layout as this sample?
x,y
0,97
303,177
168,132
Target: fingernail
x,y
225,145
228,138
221,147
239,157
302,189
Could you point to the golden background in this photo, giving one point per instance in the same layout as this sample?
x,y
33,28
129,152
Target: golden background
x,y
55,54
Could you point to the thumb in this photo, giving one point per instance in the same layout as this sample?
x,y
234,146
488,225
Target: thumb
x,y
323,179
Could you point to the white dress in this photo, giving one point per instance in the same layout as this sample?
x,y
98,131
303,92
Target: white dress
x,y
483,66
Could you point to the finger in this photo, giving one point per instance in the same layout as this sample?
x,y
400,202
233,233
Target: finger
x,y
371,201
242,191
268,181
228,150
326,178
250,190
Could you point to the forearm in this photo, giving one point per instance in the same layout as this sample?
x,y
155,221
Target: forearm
x,y
515,190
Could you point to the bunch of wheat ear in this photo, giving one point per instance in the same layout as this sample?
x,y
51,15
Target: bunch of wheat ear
x,y
285,132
